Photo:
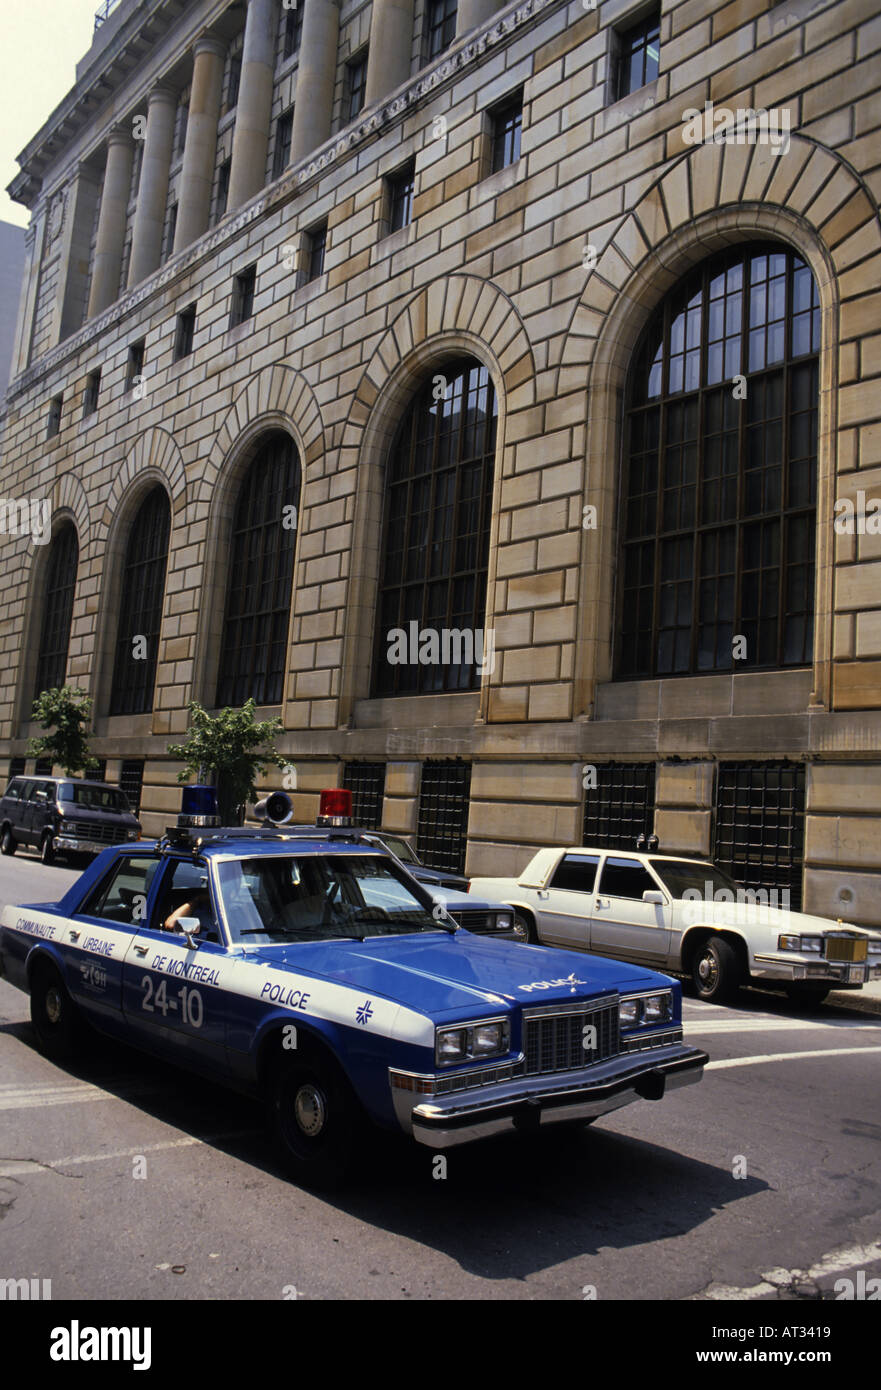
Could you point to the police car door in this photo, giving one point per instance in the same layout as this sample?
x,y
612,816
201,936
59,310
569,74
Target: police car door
x,y
170,988
97,937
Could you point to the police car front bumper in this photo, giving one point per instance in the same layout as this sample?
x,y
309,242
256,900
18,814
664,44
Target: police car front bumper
x,y
530,1103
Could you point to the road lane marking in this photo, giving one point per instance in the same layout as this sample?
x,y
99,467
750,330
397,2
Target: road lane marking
x,y
781,1025
15,1168
788,1057
18,1097
836,1262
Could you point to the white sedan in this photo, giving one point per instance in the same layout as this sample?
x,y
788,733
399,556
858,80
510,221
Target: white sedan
x,y
685,916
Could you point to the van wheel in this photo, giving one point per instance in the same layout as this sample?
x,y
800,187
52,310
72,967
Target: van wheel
x,y
53,1014
317,1120
716,971
47,849
7,843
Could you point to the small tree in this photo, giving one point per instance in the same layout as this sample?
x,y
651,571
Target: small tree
x,y
67,710
228,748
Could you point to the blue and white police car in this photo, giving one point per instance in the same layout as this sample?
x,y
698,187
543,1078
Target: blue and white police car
x,y
309,967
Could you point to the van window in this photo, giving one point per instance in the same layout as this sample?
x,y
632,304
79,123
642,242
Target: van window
x,y
13,791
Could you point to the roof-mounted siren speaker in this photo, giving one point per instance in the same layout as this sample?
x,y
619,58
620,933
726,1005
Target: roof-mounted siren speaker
x,y
335,808
198,808
275,809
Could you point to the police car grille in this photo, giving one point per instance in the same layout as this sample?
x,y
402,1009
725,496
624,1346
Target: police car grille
x,y
554,1037
103,834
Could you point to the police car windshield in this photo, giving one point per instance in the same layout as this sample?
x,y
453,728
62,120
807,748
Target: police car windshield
x,y
318,897
680,875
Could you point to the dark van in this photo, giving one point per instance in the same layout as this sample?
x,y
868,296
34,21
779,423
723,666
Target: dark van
x,y
64,815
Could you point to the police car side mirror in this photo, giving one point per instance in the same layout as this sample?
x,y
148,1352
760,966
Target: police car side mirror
x,y
189,927
653,895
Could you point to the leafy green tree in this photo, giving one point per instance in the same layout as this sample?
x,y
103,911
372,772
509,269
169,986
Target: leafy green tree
x,y
230,750
66,710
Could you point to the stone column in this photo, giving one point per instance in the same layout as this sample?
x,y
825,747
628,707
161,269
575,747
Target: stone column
x,y
250,141
316,75
473,12
153,190
391,45
200,148
111,222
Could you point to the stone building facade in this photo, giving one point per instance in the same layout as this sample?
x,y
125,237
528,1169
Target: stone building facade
x,y
267,249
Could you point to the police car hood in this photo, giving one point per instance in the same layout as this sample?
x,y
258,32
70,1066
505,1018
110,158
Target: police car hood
x,y
435,973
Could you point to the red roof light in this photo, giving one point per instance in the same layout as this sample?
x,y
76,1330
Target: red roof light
x,y
335,801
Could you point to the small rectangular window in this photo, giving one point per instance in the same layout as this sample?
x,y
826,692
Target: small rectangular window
x,y
293,29
222,189
53,426
357,83
282,155
131,780
135,363
316,245
366,782
97,774
442,825
170,229
636,55
506,125
16,769
243,296
400,190
182,116
93,387
619,804
440,26
233,80
186,327
43,767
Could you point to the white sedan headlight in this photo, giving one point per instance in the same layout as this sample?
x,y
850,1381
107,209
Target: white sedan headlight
x,y
794,942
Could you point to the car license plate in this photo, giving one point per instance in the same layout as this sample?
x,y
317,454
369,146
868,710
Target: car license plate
x,y
856,974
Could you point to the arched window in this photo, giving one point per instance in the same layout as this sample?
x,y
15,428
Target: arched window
x,y
438,504
140,606
60,575
718,503
261,569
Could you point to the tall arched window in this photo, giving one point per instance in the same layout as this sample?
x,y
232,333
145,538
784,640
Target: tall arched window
x,y
261,569
435,550
140,606
718,502
58,594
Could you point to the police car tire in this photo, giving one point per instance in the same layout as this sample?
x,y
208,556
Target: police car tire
x,y
7,842
728,973
53,1014
322,1159
47,849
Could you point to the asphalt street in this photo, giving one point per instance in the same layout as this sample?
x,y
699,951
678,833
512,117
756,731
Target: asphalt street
x,y
762,1182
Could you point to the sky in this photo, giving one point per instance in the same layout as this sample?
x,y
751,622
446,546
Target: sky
x,y
41,42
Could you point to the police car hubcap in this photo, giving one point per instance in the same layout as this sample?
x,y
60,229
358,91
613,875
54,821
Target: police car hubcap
x,y
53,1005
309,1108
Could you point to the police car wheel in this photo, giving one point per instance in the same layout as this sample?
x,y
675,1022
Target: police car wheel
x,y
7,843
53,1014
316,1120
47,849
716,970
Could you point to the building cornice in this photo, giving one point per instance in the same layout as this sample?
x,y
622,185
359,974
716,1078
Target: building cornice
x,y
432,80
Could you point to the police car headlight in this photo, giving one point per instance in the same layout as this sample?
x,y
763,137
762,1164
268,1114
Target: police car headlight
x,y
657,1008
474,1042
646,1011
504,921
